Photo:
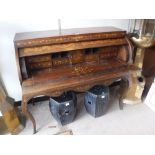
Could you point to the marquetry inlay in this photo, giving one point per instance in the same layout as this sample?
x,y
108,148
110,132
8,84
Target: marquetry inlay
x,y
80,70
71,38
60,62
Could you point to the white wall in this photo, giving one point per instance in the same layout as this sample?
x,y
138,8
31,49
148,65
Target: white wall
x,y
8,28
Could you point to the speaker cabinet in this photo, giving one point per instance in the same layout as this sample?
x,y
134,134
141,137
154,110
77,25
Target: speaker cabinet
x,y
97,100
64,107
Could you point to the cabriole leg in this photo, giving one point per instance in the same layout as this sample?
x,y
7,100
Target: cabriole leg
x,y
28,114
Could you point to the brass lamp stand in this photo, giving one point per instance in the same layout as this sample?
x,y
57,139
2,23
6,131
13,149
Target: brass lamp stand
x,y
142,42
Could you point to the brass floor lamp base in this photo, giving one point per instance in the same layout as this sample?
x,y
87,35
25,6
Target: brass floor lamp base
x,y
133,95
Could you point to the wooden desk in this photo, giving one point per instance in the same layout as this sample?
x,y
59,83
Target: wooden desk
x,y
50,62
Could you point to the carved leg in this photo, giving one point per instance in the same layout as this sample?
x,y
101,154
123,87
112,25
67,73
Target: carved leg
x,y
28,114
124,85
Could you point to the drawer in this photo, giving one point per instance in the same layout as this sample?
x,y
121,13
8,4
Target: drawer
x,y
40,58
60,61
91,57
39,65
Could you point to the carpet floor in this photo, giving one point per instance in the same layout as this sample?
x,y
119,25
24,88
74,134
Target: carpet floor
x,y
133,119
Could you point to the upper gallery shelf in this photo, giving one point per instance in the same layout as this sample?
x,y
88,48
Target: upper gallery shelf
x,y
29,39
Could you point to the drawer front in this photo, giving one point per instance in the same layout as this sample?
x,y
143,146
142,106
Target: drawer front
x,y
60,62
91,57
40,58
39,65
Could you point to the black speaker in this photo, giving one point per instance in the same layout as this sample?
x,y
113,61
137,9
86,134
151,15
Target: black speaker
x,y
64,107
97,100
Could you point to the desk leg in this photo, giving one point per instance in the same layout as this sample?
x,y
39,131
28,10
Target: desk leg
x,y
123,89
120,104
28,114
